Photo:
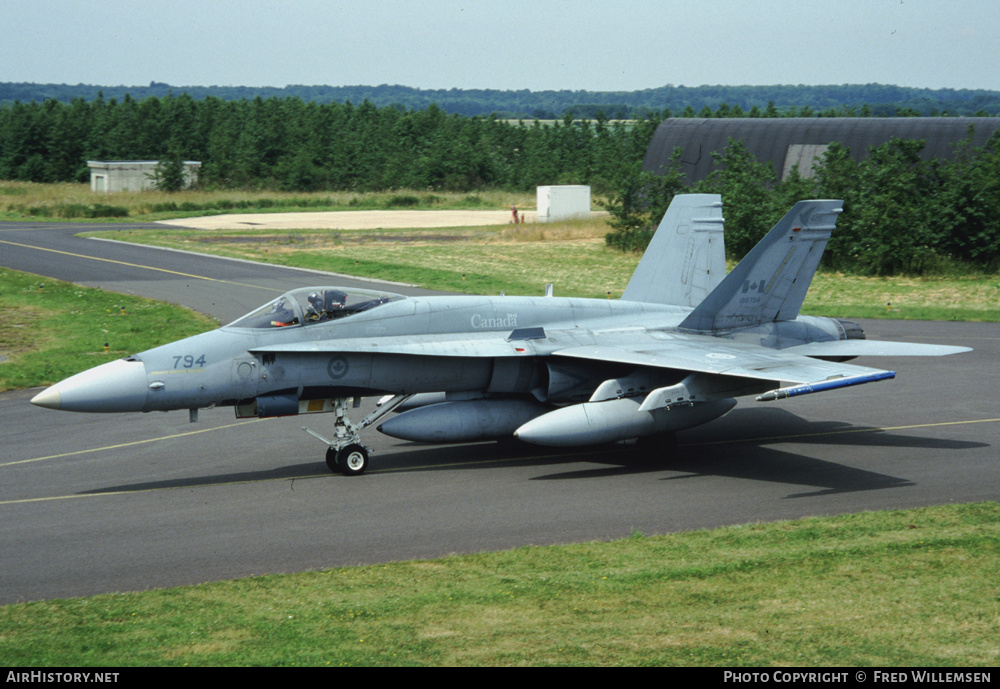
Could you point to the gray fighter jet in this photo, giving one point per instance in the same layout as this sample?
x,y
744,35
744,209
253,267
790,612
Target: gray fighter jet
x,y
674,352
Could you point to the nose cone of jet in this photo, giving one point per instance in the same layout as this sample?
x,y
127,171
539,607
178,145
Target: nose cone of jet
x,y
116,386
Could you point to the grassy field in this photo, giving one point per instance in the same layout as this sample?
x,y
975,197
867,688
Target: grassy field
x,y
515,259
50,330
521,259
25,200
904,588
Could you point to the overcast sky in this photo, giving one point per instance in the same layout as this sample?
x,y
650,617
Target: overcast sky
x,y
606,45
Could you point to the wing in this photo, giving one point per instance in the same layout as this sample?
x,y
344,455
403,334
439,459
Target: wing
x,y
720,368
722,358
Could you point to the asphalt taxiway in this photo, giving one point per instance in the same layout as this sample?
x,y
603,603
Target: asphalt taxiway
x,y
102,503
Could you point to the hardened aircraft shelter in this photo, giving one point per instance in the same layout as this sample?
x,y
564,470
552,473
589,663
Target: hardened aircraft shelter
x,y
787,142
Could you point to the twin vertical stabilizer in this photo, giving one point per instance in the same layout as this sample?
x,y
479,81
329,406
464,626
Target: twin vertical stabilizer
x,y
770,284
686,258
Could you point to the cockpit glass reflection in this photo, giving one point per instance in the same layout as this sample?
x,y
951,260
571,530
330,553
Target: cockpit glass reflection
x,y
313,305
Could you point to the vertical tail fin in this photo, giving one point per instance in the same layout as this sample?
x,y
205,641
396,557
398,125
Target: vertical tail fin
x,y
770,283
686,258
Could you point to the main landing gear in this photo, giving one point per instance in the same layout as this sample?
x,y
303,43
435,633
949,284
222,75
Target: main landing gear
x,y
345,453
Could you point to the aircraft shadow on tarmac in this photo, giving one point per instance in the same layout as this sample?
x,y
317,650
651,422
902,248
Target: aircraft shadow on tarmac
x,y
736,447
731,447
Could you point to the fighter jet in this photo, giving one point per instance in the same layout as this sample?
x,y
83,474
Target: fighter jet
x,y
675,351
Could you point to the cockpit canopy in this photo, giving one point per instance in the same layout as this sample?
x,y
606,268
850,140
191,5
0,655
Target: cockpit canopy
x,y
311,305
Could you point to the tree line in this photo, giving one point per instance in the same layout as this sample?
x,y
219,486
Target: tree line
x,y
787,100
295,145
902,214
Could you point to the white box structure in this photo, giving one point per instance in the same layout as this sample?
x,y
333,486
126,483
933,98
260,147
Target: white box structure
x,y
132,175
563,202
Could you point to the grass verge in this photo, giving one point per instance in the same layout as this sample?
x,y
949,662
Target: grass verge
x,y
572,255
27,200
903,588
519,260
50,330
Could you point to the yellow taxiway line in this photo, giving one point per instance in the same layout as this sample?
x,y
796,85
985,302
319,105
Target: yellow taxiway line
x,y
429,466
137,265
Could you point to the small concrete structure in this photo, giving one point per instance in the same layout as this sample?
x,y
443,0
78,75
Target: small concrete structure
x,y
563,202
132,175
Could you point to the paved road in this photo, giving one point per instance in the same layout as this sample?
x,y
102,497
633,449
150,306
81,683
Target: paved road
x,y
225,289
356,220
94,503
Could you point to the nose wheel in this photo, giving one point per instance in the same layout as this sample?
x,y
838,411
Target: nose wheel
x,y
350,461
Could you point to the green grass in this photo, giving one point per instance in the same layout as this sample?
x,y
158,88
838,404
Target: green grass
x,y
30,201
50,330
573,256
904,588
972,297
518,260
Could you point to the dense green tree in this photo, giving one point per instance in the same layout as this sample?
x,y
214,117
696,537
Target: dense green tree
x,y
23,146
965,209
65,149
902,213
884,100
169,175
641,200
887,226
748,188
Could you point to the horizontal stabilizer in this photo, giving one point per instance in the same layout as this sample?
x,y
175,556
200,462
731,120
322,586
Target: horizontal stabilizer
x,y
874,348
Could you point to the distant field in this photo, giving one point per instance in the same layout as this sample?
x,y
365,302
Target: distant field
x,y
26,200
519,259
522,259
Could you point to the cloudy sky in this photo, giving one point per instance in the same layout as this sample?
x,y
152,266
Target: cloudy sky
x,y
608,45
